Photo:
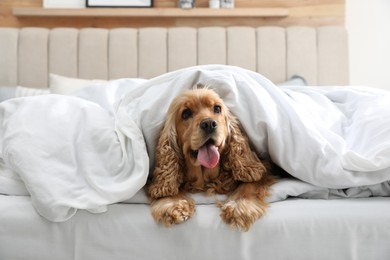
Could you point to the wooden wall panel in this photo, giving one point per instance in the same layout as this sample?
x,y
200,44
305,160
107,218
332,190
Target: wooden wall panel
x,y
302,12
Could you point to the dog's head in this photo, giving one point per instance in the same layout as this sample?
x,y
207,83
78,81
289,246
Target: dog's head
x,y
200,132
202,126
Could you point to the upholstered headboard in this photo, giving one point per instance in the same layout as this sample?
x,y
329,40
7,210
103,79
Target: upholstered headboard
x,y
28,55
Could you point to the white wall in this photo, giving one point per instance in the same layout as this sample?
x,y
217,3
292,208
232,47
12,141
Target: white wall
x,y
368,25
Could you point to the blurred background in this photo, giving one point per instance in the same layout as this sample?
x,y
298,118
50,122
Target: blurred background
x,y
368,24
367,21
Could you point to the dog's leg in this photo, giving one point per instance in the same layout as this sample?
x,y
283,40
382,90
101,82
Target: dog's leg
x,y
246,204
173,209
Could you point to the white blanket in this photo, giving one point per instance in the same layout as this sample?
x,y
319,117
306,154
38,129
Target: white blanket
x,y
84,153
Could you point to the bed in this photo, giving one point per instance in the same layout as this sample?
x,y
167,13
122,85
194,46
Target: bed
x,y
111,82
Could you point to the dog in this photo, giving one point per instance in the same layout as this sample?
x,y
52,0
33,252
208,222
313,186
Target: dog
x,y
202,148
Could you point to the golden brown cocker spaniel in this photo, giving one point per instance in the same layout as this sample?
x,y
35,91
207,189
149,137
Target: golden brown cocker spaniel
x,y
203,148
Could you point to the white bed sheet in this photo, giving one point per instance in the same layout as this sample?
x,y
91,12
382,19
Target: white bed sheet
x,y
293,229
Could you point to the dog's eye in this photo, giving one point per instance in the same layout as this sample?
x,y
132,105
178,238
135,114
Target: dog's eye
x,y
217,109
186,113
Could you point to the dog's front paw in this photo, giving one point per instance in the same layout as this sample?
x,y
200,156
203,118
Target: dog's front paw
x,y
241,214
169,211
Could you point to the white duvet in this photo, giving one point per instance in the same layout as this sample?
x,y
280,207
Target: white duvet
x,y
96,148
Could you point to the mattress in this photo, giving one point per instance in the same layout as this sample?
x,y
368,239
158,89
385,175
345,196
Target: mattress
x,y
292,229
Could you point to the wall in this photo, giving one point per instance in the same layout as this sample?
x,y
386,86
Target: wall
x,y
302,12
368,25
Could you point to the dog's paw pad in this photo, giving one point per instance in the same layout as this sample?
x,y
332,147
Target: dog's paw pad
x,y
177,213
241,214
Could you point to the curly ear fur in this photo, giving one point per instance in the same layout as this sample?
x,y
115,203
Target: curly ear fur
x,y
238,156
168,173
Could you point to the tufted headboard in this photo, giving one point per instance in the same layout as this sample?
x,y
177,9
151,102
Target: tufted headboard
x,y
28,55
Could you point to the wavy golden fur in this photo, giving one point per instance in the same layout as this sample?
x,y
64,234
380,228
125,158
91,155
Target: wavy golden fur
x,y
203,148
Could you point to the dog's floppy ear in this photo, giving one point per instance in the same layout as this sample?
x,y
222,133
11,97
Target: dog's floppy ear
x,y
168,173
238,156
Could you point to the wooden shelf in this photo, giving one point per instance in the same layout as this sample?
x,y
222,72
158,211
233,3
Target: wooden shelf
x,y
151,12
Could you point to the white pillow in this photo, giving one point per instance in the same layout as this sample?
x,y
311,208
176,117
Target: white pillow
x,y
27,92
295,80
66,85
19,91
7,93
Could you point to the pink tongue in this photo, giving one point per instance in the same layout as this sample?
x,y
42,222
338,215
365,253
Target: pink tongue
x,y
208,156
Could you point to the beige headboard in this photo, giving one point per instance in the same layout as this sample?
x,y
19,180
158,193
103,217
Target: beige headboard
x,y
28,55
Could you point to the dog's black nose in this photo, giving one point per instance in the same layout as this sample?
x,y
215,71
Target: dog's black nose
x,y
208,125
